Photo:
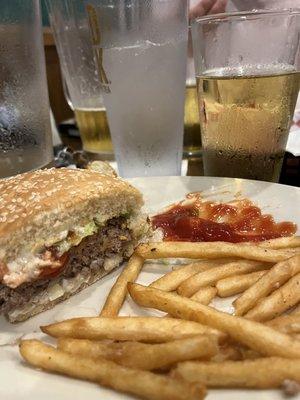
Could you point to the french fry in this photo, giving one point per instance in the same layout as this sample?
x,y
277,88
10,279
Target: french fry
x,y
238,283
296,310
204,295
281,243
144,384
258,337
141,329
286,323
117,294
227,352
262,373
234,352
173,279
210,277
277,275
248,354
144,356
211,250
278,302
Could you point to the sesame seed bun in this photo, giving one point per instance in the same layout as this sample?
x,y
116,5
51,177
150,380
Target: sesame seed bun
x,y
36,207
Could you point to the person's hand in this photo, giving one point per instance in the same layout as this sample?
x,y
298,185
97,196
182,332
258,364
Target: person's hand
x,y
208,7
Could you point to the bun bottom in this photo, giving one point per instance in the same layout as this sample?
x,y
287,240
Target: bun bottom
x,y
42,303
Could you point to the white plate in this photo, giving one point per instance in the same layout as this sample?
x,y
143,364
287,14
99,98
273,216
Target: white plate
x,y
18,381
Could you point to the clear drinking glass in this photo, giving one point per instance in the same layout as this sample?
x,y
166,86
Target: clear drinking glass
x,y
140,47
247,70
192,136
25,133
69,22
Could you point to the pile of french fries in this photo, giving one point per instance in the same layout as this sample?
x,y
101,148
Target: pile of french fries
x,y
194,346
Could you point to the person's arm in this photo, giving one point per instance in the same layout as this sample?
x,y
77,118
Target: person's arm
x,y
204,7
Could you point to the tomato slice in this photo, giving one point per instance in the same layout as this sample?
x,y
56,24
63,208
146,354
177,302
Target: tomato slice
x,y
54,271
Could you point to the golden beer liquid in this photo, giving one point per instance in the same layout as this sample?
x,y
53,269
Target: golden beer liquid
x,y
192,135
94,130
245,122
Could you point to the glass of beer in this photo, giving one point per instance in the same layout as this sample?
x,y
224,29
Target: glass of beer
x,y
69,22
247,71
192,136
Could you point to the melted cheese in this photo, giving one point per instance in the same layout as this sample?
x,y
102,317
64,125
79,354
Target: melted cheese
x,y
27,266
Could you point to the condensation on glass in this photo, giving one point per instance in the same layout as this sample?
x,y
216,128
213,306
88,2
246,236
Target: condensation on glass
x,y
247,70
25,133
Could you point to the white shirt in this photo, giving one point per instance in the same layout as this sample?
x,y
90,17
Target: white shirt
x,y
243,5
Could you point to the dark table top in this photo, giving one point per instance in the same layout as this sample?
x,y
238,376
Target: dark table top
x,y
290,174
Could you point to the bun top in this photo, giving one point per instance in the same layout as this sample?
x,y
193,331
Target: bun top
x,y
38,205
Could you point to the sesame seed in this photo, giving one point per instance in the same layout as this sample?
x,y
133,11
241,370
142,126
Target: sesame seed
x,y
26,195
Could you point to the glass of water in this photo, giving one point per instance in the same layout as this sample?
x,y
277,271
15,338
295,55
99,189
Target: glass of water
x,y
140,47
25,133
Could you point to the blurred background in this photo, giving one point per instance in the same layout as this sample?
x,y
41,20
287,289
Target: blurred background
x,y
64,116
59,106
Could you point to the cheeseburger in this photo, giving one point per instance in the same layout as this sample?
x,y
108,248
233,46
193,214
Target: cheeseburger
x,y
60,231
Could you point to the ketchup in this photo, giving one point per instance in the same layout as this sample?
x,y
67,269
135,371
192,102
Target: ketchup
x,y
197,220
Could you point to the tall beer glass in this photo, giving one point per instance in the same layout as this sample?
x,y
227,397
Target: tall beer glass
x,y
25,133
247,69
69,22
140,47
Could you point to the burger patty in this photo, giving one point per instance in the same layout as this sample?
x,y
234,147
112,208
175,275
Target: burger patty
x,y
110,240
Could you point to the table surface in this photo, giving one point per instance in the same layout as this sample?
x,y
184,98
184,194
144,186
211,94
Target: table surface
x,y
290,174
